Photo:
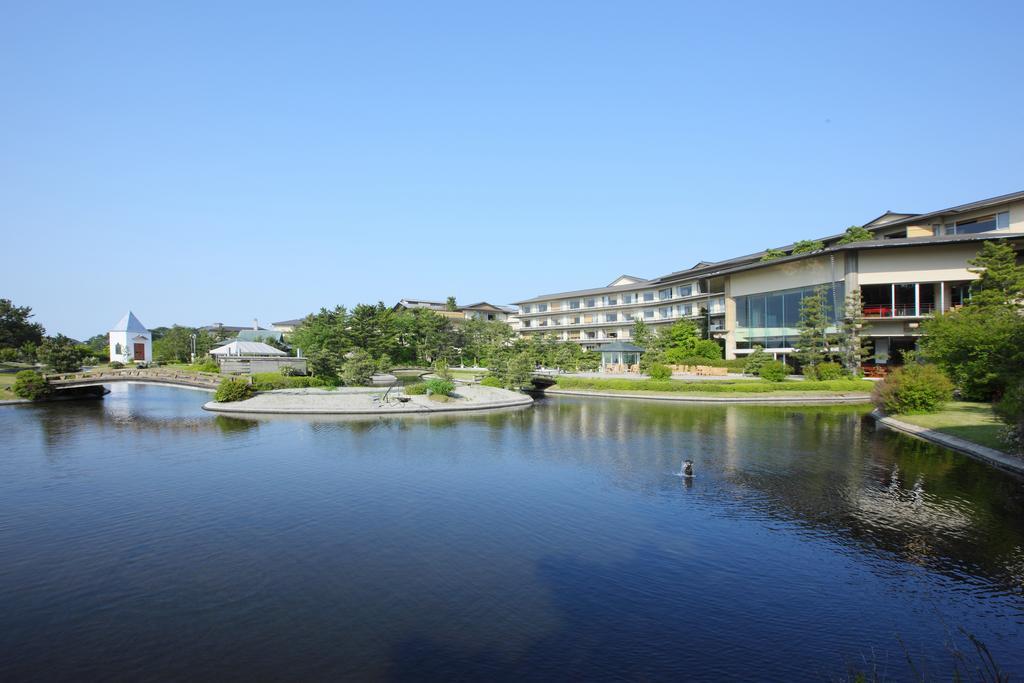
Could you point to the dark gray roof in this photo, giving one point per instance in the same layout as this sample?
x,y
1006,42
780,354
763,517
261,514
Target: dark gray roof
x,y
621,346
293,323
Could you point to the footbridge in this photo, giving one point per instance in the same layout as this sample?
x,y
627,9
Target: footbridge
x,y
198,380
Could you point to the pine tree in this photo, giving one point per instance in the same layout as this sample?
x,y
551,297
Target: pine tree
x,y
851,346
1000,279
813,345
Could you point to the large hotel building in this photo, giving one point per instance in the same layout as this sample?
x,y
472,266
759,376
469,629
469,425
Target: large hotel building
x,y
914,265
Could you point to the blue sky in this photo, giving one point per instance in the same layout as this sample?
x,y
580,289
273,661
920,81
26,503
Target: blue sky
x,y
202,162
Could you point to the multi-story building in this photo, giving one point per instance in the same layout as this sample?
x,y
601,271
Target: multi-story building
x,y
477,311
913,266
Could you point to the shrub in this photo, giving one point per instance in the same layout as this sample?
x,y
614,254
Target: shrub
x,y
358,369
659,371
207,365
324,364
1010,409
829,371
116,365
913,389
707,348
268,381
8,355
723,386
231,390
417,389
774,371
440,387
31,385
60,354
289,371
491,381
807,246
755,361
810,372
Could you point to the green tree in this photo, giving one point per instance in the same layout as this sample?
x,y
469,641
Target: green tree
x,y
451,305
641,334
31,385
61,354
358,368
813,344
856,233
772,254
15,328
1000,280
807,247
175,345
323,332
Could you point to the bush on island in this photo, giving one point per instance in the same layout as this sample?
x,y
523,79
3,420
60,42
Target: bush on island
x,y
913,389
31,385
417,389
231,390
440,387
828,371
358,369
659,371
491,381
774,371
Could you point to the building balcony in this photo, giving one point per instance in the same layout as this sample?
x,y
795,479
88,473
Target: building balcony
x,y
877,311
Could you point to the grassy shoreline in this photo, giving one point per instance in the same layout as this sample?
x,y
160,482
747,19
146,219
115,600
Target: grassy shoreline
x,y
974,422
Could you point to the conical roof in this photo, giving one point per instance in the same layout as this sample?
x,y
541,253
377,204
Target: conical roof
x,y
129,323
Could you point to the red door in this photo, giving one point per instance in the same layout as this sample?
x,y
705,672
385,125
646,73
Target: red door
x,y
140,352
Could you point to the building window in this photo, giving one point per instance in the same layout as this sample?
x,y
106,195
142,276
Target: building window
x,y
609,301
591,334
590,303
664,294
648,296
611,317
573,305
649,313
612,335
665,312
999,221
542,308
627,298
527,323
575,320
527,308
685,290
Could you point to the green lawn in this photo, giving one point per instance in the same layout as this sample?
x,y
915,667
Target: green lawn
x,y
974,422
6,382
716,387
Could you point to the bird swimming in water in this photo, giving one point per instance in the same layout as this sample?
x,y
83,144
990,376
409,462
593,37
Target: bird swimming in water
x,y
687,468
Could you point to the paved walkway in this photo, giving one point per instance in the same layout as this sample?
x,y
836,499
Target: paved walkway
x,y
366,401
1000,459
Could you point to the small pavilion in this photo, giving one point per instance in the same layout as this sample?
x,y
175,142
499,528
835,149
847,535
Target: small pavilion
x,y
620,357
130,341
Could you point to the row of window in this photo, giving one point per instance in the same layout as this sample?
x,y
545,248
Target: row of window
x,y
627,298
998,221
717,307
782,308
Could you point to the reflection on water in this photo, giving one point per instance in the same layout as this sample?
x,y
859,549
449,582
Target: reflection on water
x,y
150,539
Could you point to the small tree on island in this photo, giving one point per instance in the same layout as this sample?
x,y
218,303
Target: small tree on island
x,y
61,354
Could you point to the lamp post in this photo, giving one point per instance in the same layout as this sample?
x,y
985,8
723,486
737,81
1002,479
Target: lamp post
x,y
193,337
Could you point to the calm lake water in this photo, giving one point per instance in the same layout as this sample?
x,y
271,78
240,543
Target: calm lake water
x,y
143,538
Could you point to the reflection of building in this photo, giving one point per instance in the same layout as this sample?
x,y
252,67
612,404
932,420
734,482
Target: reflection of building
x,y
130,341
913,266
477,311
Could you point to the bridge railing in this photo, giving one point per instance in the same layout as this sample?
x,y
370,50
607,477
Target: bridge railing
x,y
207,378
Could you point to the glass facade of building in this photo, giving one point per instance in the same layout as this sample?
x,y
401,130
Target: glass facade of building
x,y
771,319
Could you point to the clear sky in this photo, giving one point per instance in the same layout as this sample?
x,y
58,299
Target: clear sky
x,y
216,161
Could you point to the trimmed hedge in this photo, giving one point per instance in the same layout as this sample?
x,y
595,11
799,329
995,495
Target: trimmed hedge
x,y
712,386
774,371
268,381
